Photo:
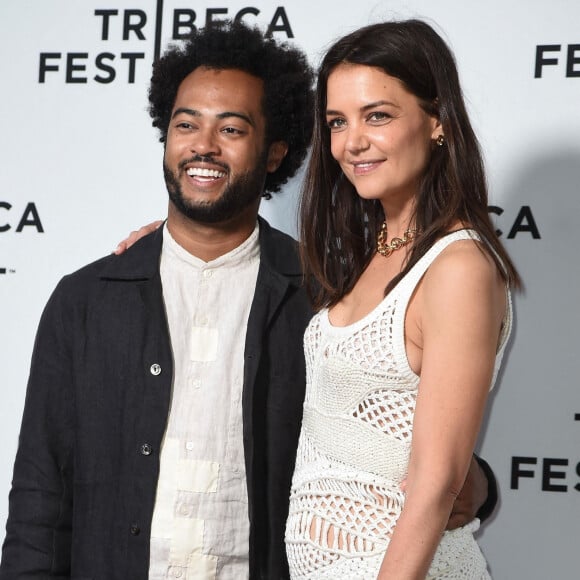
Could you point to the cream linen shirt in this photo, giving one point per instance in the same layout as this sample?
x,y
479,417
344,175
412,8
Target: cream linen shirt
x,y
200,527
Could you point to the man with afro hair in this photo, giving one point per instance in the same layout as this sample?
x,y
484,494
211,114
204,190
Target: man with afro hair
x,y
165,394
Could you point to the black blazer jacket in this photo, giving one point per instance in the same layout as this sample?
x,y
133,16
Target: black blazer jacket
x,y
96,408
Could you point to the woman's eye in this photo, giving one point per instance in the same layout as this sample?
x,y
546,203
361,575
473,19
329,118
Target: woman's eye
x,y
379,116
336,123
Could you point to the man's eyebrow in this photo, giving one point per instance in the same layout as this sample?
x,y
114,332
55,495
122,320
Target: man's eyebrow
x,y
242,116
185,111
224,115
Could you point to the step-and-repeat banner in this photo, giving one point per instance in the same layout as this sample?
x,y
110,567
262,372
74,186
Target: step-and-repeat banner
x,y
80,167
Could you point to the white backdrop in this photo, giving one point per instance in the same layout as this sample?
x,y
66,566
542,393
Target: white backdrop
x,y
80,166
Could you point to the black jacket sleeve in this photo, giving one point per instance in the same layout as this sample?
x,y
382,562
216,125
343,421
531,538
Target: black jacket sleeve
x,y
490,503
38,530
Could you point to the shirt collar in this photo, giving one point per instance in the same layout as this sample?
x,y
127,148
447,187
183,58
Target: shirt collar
x,y
248,250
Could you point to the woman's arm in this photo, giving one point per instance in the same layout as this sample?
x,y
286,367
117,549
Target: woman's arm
x,y
460,305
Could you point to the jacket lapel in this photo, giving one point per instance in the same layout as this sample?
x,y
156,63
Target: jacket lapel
x,y
279,270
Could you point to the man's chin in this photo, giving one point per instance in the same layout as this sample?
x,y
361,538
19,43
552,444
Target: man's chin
x,y
200,198
213,212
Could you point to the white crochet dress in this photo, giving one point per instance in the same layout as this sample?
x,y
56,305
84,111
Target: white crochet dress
x,y
355,442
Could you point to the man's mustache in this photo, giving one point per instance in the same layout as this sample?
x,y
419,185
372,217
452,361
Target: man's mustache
x,y
203,159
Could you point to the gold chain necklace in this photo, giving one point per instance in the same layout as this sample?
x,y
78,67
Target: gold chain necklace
x,y
385,249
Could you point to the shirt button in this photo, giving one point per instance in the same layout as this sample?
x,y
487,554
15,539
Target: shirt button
x,y
135,530
146,449
185,509
207,273
175,572
155,369
190,445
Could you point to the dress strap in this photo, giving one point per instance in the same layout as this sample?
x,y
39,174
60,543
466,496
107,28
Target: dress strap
x,y
408,284
405,288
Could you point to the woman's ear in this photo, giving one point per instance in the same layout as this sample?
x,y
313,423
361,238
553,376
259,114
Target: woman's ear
x,y
437,133
437,128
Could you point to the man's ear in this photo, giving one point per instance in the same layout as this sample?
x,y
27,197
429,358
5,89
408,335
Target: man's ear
x,y
276,153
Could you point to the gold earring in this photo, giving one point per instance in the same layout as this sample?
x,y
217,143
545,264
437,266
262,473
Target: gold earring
x,y
440,140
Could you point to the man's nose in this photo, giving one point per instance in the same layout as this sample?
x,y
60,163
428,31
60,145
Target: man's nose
x,y
205,143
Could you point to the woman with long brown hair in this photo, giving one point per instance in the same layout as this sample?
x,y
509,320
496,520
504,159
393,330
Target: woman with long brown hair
x,y
413,292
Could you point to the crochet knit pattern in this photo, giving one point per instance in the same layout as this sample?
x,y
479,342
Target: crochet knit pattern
x,y
355,443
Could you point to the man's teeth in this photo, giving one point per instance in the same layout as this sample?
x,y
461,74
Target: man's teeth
x,y
204,172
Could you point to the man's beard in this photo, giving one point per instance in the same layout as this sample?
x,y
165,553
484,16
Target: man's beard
x,y
236,197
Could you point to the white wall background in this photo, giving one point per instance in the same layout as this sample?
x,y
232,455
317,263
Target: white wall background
x,y
86,156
